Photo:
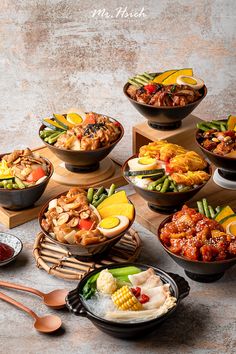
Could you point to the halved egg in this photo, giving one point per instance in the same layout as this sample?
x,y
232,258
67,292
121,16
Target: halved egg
x,y
142,163
191,81
231,228
113,225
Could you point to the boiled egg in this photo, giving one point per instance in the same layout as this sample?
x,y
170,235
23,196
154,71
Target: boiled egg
x,y
191,81
142,163
231,228
113,225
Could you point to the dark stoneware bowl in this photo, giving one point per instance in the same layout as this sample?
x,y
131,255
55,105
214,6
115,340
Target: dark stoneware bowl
x,y
200,271
18,199
226,165
75,303
163,202
83,161
89,252
165,118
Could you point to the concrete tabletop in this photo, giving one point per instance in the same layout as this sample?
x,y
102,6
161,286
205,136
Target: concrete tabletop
x,y
205,321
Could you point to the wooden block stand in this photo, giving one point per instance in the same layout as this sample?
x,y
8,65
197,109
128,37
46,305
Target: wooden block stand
x,y
61,181
184,136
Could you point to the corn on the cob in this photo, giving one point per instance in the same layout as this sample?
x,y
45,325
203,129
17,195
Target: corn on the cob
x,y
125,300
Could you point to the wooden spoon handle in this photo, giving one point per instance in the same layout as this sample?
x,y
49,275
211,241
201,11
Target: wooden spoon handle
x,y
7,298
20,287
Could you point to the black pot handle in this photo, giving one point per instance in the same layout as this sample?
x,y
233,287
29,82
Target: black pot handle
x,y
74,303
182,284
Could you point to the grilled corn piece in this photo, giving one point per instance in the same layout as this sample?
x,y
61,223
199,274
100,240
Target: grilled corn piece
x,y
125,300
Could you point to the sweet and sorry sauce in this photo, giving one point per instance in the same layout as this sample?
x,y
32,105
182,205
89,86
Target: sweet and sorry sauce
x,y
6,252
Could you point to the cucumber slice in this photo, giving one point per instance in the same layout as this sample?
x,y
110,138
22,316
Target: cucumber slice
x,y
145,172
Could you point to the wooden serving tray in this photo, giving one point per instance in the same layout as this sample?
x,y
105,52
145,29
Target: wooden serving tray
x,y
108,173
185,136
56,261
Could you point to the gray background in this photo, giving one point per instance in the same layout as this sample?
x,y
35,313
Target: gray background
x,y
54,55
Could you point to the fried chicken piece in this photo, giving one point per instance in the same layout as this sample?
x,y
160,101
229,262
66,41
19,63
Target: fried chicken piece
x,y
190,178
190,161
169,151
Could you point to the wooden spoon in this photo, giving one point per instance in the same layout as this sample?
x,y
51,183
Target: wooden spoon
x,y
46,324
54,299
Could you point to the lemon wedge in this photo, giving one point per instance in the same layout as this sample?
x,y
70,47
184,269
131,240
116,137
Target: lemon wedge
x,y
74,118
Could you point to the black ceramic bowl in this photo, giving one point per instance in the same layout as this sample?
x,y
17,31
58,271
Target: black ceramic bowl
x,y
200,271
81,252
226,165
165,118
74,301
83,161
165,203
18,199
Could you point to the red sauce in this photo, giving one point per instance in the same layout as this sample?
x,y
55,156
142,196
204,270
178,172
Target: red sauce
x,y
6,252
189,234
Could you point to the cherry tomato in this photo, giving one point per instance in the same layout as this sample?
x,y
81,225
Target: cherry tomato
x,y
136,291
150,88
35,175
89,119
85,224
79,136
144,299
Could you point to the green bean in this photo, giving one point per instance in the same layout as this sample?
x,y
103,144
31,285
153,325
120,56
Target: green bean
x,y
1,184
98,193
212,213
205,206
173,186
219,122
222,128
218,209
160,180
101,199
158,187
200,207
19,183
53,138
90,195
185,189
9,185
165,185
44,133
203,127
151,187
111,189
213,126
15,186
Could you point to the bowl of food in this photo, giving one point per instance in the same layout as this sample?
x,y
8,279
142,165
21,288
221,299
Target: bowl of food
x,y
24,175
217,140
166,175
83,141
87,223
202,241
127,300
166,98
10,248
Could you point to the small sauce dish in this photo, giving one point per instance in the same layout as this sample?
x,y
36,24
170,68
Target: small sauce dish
x,y
10,248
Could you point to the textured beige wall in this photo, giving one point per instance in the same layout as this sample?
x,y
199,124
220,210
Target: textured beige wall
x,y
54,55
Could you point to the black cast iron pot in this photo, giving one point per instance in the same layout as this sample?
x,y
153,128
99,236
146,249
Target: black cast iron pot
x,y
75,303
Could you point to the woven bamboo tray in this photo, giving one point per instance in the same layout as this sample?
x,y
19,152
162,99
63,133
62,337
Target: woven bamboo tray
x,y
60,263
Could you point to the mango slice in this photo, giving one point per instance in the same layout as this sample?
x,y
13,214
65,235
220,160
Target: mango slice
x,y
171,79
117,198
118,209
159,78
